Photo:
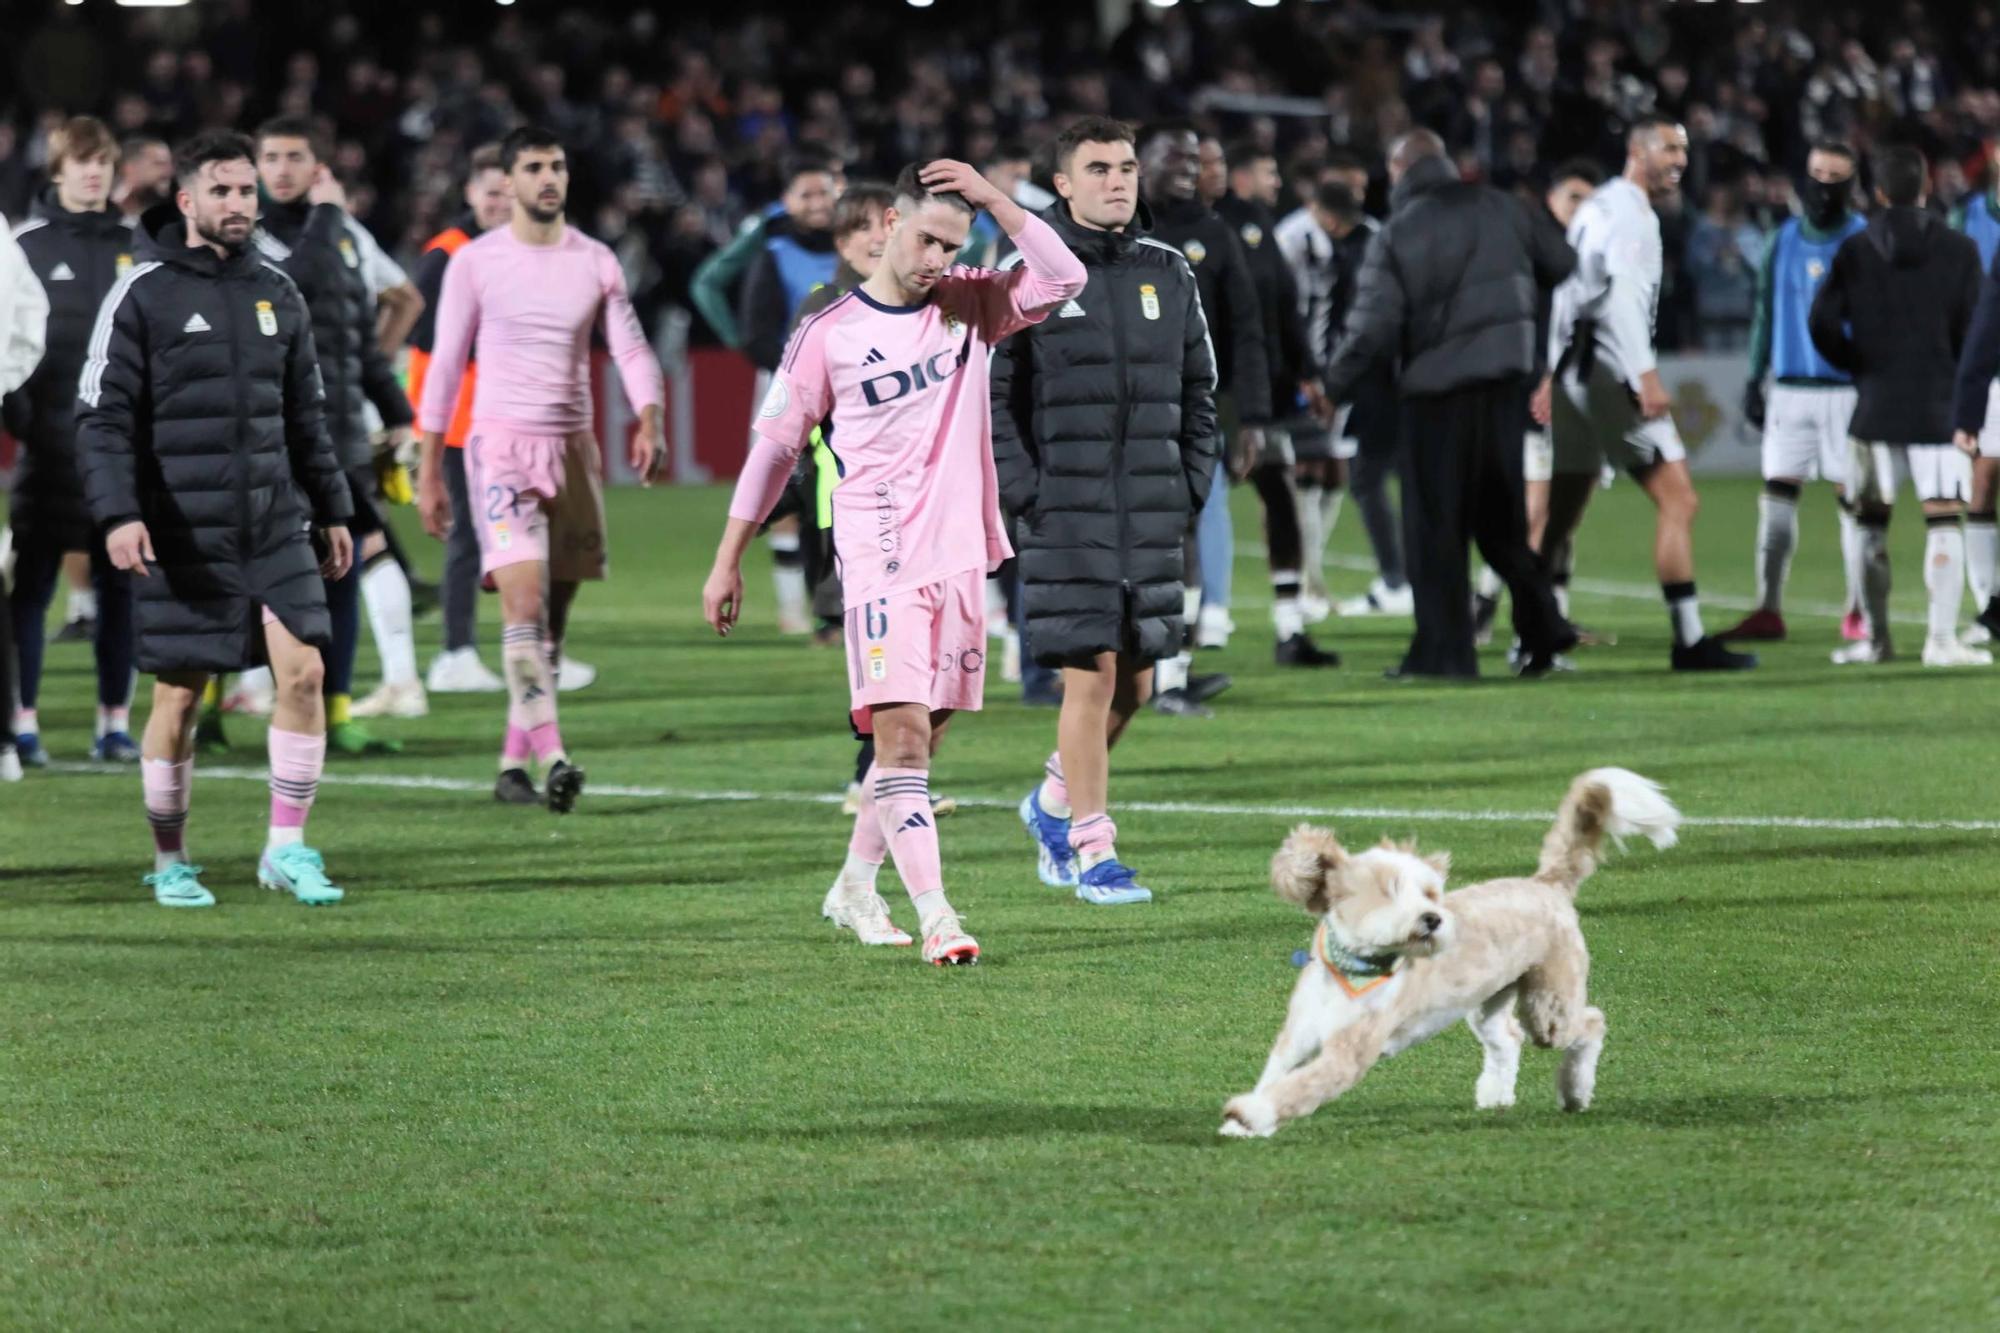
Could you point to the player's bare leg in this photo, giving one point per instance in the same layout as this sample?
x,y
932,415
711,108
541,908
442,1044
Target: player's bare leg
x,y
1982,551
1098,703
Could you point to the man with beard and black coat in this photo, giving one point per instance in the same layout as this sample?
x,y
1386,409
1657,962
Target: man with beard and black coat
x,y
1895,312
1450,286
78,247
1104,441
1253,189
305,232
201,429
1169,176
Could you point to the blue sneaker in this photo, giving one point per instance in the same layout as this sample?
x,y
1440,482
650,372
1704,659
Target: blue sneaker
x,y
1055,859
1111,884
299,871
28,745
179,885
115,747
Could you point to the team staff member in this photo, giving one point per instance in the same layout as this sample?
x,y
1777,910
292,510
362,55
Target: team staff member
x,y
78,247
208,468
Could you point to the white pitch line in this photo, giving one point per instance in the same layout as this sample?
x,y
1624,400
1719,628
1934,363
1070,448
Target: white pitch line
x,y
1636,592
1386,814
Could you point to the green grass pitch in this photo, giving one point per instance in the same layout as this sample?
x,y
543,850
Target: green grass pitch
x,y
613,1072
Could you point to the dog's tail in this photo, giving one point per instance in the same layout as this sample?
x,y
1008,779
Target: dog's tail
x,y
1612,802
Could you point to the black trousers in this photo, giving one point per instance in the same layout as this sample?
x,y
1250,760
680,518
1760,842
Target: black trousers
x,y
37,572
458,591
1461,472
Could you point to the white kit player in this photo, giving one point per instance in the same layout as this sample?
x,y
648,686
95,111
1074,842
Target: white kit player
x,y
898,368
1608,401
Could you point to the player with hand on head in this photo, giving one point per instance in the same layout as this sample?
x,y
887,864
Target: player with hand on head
x,y
529,294
900,366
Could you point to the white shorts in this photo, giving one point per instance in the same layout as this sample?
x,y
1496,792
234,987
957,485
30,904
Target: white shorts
x,y
1805,433
1598,423
1989,434
1538,456
1937,472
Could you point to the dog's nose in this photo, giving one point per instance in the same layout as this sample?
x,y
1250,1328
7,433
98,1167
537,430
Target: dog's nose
x,y
1431,921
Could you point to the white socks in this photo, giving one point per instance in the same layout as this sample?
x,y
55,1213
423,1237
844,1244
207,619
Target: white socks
x,y
1944,575
1982,553
82,605
1777,537
858,871
1684,609
386,591
1286,615
1850,554
1171,673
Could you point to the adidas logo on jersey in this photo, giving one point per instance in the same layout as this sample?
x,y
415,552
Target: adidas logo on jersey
x,y
62,273
195,324
1070,310
873,358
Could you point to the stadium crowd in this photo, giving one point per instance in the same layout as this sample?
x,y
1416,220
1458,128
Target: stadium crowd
x,y
679,117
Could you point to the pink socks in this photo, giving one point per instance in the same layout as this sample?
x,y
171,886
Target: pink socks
x,y
296,763
169,784
531,698
903,815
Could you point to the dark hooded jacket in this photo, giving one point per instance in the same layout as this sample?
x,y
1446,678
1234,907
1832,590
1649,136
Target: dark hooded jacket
x,y
200,414
1893,312
1104,438
77,257
311,243
1450,287
1228,300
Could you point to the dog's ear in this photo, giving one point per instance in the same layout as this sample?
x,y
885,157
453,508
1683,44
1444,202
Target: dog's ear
x,y
1300,870
1440,862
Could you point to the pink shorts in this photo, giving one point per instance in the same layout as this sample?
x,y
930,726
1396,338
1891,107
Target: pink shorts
x,y
537,497
923,646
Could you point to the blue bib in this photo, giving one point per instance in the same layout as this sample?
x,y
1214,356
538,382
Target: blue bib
x,y
1984,229
800,270
1800,265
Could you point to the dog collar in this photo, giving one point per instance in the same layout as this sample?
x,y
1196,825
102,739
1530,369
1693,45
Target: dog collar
x,y
1357,973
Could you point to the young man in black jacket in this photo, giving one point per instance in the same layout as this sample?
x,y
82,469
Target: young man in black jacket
x,y
201,427
1295,391
1894,312
1104,439
1169,178
305,232
79,248
1450,285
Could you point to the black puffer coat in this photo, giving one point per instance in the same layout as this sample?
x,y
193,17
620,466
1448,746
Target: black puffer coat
x,y
1228,299
311,243
1287,352
1450,287
77,256
200,413
1104,437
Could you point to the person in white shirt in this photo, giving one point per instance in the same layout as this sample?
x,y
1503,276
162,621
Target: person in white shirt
x,y
24,319
1605,399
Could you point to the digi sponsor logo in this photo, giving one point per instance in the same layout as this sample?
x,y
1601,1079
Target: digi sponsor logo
x,y
971,661
895,384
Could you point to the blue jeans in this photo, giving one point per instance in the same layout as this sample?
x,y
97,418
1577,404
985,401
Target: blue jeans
x,y
1215,534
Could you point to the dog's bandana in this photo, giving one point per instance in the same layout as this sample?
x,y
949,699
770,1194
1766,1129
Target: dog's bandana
x,y
1356,973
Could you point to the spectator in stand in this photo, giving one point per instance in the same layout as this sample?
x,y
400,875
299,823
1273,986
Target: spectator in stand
x,y
1722,268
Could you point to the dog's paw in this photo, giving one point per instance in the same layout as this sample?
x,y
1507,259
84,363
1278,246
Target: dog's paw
x,y
1491,1095
1248,1117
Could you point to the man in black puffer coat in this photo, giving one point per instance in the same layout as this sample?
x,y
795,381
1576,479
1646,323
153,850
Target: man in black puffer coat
x,y
201,428
1104,439
305,232
1450,286
78,246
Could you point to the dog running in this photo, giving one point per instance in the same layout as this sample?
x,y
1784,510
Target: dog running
x,y
1396,959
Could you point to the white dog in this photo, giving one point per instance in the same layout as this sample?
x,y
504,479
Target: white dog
x,y
1396,960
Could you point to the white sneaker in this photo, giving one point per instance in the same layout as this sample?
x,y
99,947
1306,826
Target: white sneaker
x,y
857,907
405,699
1975,634
249,701
460,671
1214,627
1381,600
1952,653
1863,652
946,944
574,675
10,765
1316,609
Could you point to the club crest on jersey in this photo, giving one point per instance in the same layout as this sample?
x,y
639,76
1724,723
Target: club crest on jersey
x,y
888,387
952,325
1815,269
776,400
1253,235
1149,300
1195,252
878,663
348,254
124,263
267,319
